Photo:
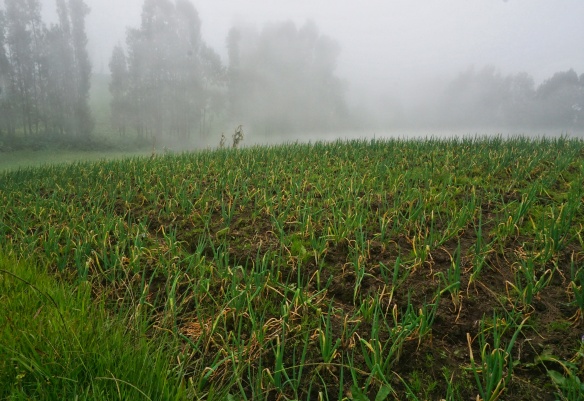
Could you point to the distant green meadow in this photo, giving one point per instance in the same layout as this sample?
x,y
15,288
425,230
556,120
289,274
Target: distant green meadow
x,y
364,269
29,158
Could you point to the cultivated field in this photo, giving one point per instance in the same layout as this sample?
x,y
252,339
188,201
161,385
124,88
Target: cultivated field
x,y
386,269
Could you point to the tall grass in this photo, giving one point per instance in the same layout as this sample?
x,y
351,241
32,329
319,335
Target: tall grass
x,y
58,343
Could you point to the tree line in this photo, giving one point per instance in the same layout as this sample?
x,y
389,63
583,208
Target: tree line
x,y
45,72
483,98
168,84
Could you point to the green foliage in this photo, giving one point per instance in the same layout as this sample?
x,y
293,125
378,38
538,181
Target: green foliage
x,y
170,84
50,73
314,270
58,343
495,366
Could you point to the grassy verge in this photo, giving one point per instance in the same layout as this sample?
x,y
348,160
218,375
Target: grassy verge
x,y
57,344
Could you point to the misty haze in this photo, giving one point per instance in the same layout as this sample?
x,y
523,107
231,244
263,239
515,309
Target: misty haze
x,y
147,73
292,200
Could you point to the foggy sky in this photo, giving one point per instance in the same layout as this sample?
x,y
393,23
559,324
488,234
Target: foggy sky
x,y
386,44
385,38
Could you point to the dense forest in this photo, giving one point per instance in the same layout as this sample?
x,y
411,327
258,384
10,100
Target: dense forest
x,y
168,86
45,72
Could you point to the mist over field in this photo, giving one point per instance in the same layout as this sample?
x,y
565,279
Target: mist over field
x,y
182,73
417,232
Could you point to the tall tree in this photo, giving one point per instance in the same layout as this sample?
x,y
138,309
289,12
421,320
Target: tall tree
x,y
283,78
519,109
6,115
45,72
119,89
171,72
559,99
24,39
60,73
83,121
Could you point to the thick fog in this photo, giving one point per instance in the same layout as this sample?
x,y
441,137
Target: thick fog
x,y
483,66
390,40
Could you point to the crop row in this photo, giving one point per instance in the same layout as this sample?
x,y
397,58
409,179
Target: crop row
x,y
310,269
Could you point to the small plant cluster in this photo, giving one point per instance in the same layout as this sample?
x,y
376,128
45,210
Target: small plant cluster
x,y
237,138
384,269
